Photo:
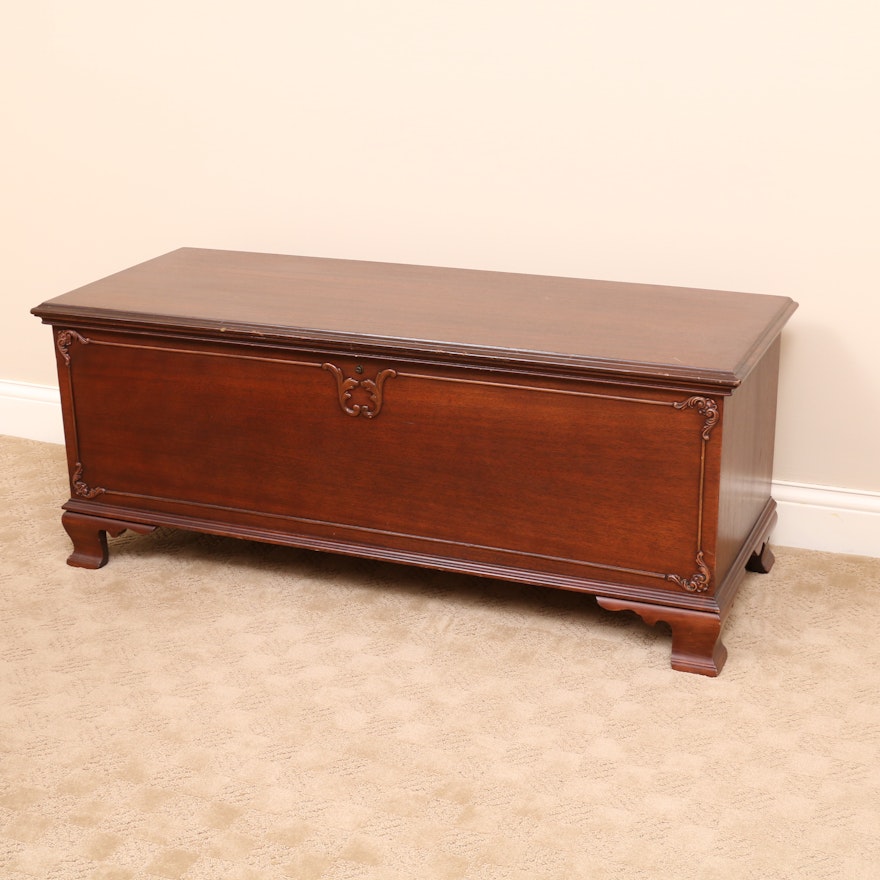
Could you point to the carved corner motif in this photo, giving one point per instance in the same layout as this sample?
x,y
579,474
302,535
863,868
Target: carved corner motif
x,y
65,339
81,488
697,582
346,387
706,407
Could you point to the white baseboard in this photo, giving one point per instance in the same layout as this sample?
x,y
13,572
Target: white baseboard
x,y
31,411
826,518
811,517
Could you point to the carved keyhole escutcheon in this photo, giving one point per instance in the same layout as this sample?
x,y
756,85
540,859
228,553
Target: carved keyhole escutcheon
x,y
347,386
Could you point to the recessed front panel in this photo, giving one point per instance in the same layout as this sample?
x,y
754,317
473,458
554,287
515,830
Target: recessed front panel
x,y
592,481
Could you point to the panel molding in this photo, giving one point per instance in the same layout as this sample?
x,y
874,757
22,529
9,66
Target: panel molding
x,y
828,518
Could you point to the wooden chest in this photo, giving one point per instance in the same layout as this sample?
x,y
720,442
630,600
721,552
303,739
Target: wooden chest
x,y
610,438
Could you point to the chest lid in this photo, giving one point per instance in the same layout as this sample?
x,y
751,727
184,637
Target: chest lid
x,y
595,328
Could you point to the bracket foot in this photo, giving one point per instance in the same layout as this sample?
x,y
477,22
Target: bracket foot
x,y
696,635
761,560
89,536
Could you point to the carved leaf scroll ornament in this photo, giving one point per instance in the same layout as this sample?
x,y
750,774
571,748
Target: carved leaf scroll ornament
x,y
81,488
706,407
697,582
65,339
346,388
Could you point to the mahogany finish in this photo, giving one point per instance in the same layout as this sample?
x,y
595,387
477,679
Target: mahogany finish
x,y
615,439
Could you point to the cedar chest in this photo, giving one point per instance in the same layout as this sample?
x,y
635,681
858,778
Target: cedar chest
x,y
610,438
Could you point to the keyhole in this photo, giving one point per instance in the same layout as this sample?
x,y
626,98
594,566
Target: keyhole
x,y
359,369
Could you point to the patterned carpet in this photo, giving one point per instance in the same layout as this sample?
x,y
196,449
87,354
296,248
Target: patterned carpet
x,y
211,708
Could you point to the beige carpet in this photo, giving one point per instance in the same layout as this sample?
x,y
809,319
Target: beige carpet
x,y
210,708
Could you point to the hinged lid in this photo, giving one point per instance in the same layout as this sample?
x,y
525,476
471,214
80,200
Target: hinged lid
x,y
596,328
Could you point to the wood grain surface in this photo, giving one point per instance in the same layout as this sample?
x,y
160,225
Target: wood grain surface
x,y
608,327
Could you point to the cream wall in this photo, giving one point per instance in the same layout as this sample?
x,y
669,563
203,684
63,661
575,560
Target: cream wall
x,y
686,142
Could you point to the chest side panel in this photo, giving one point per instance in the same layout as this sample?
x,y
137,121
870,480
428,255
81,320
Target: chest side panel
x,y
747,457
